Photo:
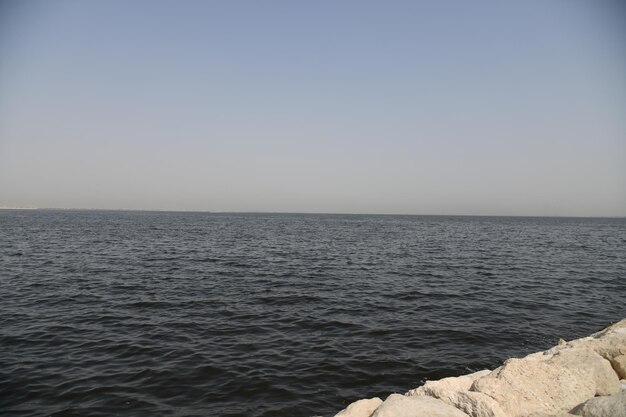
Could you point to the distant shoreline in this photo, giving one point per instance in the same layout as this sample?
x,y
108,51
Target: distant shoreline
x,y
19,208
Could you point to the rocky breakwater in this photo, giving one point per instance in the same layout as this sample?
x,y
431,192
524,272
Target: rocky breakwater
x,y
585,377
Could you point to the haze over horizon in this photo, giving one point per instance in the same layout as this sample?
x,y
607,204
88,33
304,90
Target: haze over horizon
x,y
361,107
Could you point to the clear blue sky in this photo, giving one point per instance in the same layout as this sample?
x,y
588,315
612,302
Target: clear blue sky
x,y
438,107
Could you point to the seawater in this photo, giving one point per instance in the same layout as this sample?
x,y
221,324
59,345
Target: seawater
x,y
199,314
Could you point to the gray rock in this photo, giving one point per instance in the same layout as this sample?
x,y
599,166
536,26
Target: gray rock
x,y
609,406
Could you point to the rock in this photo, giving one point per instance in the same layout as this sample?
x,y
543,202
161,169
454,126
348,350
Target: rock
x,y
545,384
526,386
549,384
455,392
588,363
474,404
397,405
550,415
360,408
609,406
608,343
619,364
457,383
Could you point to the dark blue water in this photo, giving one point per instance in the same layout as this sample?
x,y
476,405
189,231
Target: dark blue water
x,y
197,314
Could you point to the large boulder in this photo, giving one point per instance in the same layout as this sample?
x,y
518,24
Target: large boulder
x,y
551,383
455,392
609,406
474,404
523,387
397,405
360,408
589,364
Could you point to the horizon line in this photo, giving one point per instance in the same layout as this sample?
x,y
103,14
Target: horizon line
x,y
306,213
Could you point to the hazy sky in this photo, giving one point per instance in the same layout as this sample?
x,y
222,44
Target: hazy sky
x,y
425,107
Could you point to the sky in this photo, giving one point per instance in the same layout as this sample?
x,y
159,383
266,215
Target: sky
x,y
411,107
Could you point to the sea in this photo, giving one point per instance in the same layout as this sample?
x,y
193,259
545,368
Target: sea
x,y
127,313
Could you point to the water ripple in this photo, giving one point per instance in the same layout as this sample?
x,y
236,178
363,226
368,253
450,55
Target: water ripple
x,y
190,314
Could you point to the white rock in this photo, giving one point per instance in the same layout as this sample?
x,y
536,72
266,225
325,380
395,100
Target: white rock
x,y
588,363
397,405
609,406
551,383
360,408
524,387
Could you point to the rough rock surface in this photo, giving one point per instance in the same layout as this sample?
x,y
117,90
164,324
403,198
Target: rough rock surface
x,y
455,392
619,364
551,415
523,387
360,408
397,405
588,363
474,404
457,383
609,406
